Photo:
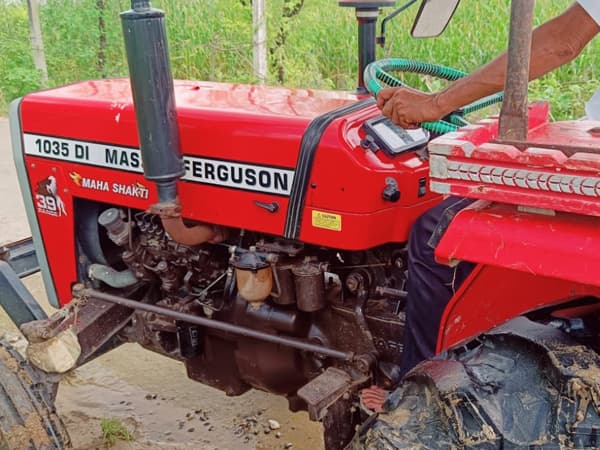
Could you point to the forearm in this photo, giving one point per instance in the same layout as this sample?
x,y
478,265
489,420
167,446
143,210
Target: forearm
x,y
553,44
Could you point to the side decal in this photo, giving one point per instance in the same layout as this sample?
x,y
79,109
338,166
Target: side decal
x,y
327,221
136,190
47,199
223,173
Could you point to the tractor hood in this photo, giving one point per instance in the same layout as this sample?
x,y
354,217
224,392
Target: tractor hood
x,y
288,162
234,118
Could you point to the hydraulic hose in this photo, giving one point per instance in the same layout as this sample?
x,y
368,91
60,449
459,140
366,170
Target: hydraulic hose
x,y
377,77
112,277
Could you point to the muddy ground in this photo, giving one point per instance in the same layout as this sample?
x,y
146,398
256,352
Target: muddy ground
x,y
148,392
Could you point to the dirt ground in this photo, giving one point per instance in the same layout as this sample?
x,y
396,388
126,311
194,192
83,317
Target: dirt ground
x,y
149,393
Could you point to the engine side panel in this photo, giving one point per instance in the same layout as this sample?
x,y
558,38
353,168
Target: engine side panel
x,y
241,147
352,192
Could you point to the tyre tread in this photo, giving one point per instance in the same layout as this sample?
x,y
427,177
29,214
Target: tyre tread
x,y
28,418
522,385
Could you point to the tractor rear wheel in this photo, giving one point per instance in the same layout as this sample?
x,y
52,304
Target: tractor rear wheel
x,y
28,419
521,385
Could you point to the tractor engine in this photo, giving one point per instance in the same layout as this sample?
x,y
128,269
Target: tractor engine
x,y
255,233
350,301
278,259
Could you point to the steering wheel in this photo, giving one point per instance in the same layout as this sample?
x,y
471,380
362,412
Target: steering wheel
x,y
378,76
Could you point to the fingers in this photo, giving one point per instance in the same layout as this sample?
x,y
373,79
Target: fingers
x,y
388,109
397,115
384,95
407,107
411,126
393,104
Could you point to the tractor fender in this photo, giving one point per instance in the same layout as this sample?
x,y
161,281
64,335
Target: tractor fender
x,y
491,296
527,260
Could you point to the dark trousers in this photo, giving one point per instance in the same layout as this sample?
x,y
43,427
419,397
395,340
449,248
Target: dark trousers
x,y
430,285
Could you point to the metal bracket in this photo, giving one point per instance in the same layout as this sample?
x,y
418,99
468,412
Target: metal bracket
x,y
16,300
21,256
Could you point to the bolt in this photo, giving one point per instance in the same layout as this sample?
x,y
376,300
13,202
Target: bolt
x,y
364,362
353,282
77,290
140,5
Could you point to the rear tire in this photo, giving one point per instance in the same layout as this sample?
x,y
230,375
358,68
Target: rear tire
x,y
28,419
522,385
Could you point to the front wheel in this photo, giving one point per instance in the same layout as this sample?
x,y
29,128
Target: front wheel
x,y
522,385
28,419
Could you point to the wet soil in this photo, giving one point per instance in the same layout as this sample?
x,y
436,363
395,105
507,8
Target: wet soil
x,y
154,399
164,409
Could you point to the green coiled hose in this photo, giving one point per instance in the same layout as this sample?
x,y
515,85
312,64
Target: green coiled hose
x,y
484,102
377,76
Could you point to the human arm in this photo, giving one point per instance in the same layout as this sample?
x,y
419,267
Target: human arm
x,y
553,44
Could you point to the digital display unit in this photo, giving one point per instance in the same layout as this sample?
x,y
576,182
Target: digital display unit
x,y
393,139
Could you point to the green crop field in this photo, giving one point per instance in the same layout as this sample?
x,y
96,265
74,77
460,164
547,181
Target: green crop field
x,y
212,40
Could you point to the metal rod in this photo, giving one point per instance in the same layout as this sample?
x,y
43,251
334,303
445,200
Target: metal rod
x,y
216,325
381,38
367,22
513,116
381,290
367,13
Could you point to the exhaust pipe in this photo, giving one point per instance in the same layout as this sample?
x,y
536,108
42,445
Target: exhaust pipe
x,y
147,51
153,96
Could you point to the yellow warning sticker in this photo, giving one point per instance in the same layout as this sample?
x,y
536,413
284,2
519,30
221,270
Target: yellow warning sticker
x,y
327,221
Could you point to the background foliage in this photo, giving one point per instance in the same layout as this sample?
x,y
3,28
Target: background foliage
x,y
212,39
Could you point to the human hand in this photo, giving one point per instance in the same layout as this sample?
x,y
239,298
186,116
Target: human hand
x,y
408,107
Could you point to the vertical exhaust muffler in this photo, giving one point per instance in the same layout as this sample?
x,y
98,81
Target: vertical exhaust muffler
x,y
153,92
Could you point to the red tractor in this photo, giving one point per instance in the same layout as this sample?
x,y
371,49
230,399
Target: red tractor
x,y
257,234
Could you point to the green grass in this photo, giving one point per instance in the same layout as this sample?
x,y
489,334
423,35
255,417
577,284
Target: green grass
x,y
211,39
113,430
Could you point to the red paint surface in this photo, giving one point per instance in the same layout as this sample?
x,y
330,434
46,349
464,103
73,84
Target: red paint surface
x,y
544,251
249,124
564,246
583,163
493,295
